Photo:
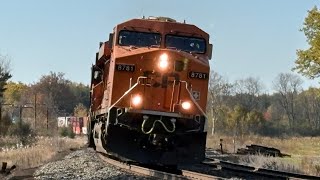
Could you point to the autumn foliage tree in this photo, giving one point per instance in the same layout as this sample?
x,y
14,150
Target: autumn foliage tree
x,y
80,110
219,89
14,92
57,92
308,60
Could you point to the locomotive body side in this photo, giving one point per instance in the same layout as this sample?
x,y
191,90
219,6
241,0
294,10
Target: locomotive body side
x,y
149,92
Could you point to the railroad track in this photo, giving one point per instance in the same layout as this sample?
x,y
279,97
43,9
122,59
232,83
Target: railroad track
x,y
179,174
249,172
210,169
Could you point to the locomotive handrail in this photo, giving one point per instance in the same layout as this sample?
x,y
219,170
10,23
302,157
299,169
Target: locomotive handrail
x,y
127,92
143,77
172,96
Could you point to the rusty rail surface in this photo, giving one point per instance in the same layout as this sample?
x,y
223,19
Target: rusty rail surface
x,y
244,170
196,175
185,174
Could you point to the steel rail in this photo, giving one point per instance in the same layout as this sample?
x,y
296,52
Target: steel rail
x,y
185,174
140,170
196,175
227,168
268,173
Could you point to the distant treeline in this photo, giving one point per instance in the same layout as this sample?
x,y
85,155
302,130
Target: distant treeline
x,y
40,103
241,107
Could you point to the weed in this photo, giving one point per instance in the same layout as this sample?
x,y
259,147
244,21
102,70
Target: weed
x,y
40,152
67,132
304,152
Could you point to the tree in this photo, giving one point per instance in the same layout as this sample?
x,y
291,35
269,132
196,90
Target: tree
x,y
12,96
4,73
80,110
288,86
247,92
236,120
57,92
255,120
310,107
13,92
244,122
81,93
219,89
308,61
4,77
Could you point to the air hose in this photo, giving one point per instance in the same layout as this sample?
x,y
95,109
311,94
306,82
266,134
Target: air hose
x,y
145,119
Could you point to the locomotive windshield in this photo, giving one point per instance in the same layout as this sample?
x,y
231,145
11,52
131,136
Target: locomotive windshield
x,y
139,39
184,43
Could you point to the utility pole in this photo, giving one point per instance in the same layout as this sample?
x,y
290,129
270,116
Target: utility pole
x,y
0,112
35,111
47,119
20,114
1,98
20,123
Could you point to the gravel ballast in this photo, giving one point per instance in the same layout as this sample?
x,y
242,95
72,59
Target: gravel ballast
x,y
82,164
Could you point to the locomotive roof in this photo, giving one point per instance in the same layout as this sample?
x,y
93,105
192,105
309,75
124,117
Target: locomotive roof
x,y
163,25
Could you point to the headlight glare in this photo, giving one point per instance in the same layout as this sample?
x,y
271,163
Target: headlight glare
x,y
163,61
136,100
186,105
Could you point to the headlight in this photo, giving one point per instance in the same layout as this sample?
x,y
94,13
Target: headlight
x,y
186,105
136,100
163,61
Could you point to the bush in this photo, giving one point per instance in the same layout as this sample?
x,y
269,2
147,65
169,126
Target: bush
x,y
23,131
64,132
71,134
5,123
67,132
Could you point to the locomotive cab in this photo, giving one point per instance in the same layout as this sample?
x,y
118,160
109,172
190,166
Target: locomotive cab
x,y
149,92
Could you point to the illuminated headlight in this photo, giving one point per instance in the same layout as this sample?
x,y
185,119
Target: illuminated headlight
x,y
186,105
163,61
136,100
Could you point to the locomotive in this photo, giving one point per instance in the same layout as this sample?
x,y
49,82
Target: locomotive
x,y
148,94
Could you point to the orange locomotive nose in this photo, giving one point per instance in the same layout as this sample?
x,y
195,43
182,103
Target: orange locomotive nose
x,y
167,74
148,92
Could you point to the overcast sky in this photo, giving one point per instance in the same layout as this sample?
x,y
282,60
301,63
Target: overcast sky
x,y
250,37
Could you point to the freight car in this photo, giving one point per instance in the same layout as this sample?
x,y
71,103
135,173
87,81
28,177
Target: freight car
x,y
148,94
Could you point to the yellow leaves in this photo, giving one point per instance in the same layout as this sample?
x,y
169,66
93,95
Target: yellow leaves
x,y
312,92
308,61
80,110
13,92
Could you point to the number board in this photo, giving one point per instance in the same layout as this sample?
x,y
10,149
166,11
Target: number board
x,y
198,75
125,67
